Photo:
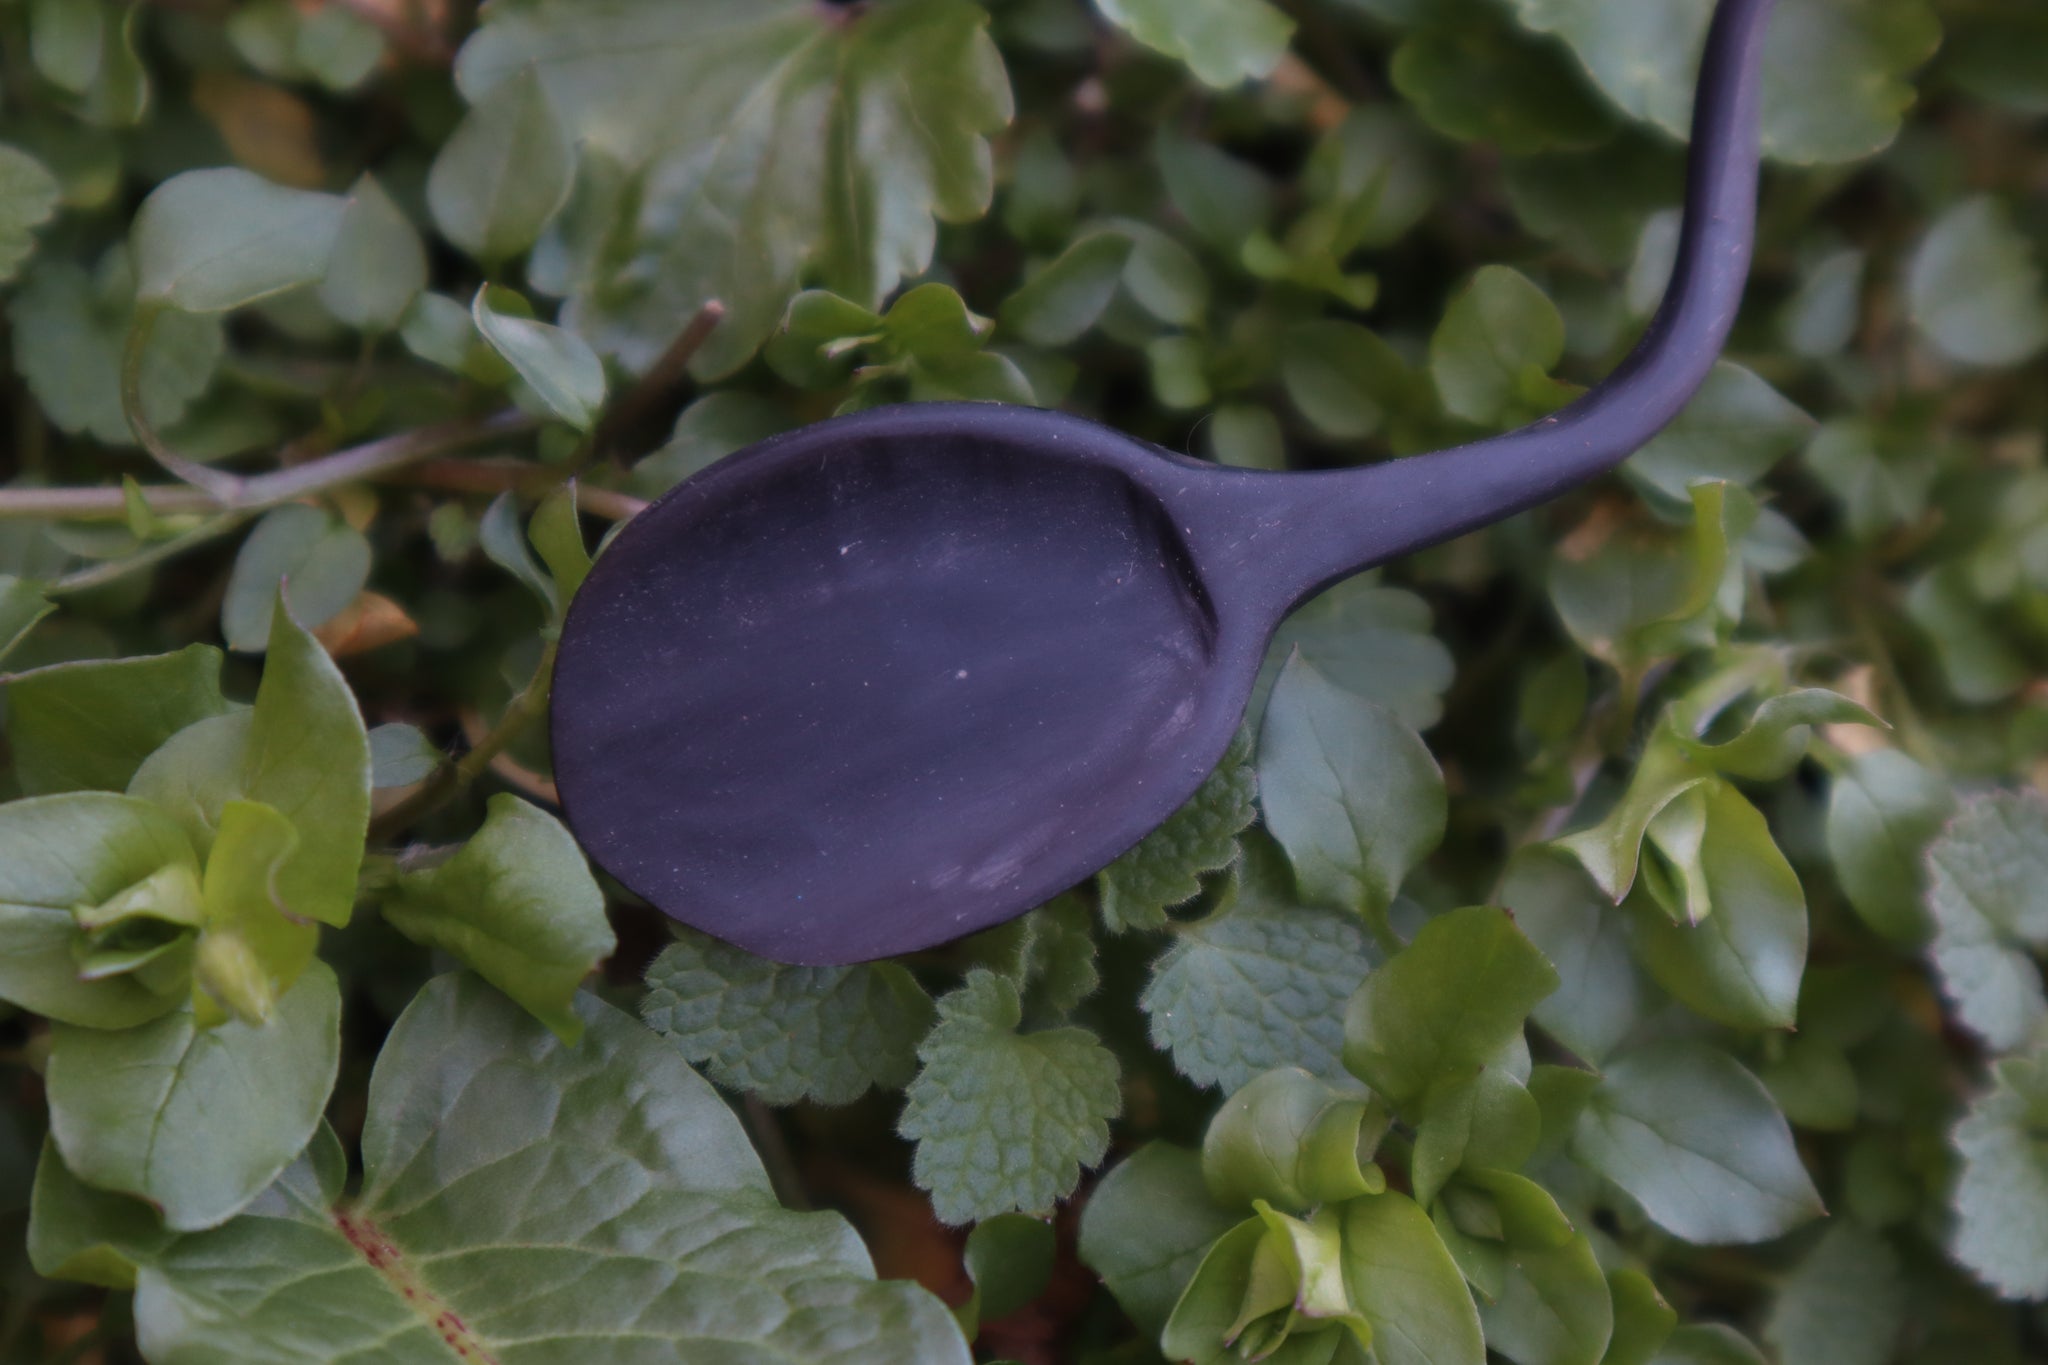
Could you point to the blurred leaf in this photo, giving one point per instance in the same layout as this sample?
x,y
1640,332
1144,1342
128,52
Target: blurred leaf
x,y
1988,894
1005,1120
1224,42
1975,288
787,1033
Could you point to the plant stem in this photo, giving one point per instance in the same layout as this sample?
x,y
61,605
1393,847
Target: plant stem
x,y
450,779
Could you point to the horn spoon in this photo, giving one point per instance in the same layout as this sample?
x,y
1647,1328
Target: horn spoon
x,y
900,676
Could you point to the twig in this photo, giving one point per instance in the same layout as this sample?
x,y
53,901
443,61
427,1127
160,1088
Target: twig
x,y
451,778
634,405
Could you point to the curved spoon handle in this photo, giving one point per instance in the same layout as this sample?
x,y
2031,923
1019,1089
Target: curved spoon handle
x,y
1350,520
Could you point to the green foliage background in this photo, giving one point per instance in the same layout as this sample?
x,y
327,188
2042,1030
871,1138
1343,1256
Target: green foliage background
x,y
1588,905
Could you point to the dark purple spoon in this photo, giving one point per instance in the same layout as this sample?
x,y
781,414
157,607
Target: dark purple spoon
x,y
900,676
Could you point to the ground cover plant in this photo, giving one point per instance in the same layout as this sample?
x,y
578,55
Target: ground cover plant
x,y
1613,939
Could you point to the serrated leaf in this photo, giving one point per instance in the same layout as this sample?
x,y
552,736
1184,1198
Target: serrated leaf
x,y
559,365
88,726
1005,1120
1988,895
1445,1005
787,1033
504,171
1884,809
378,264
2001,1194
1147,1226
321,560
1260,984
517,905
207,241
1224,42
1975,289
1499,329
1167,867
1697,1141
777,140
517,1190
1843,1304
1351,793
1834,76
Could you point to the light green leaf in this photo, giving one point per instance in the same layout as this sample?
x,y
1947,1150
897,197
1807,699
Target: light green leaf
x,y
1734,429
319,560
1844,1304
1975,289
1350,792
1005,1120
1601,995
1224,42
1062,300
60,853
1166,868
517,905
1834,81
2001,1195
1884,809
88,726
559,365
28,199
1147,1226
1499,331
1261,983
1444,1006
787,1033
1401,1278
522,1195
197,1121
378,265
777,139
207,241
1698,1143
1988,894
1369,639
69,330
504,171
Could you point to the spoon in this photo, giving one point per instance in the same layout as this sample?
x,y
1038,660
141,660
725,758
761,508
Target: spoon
x,y
900,676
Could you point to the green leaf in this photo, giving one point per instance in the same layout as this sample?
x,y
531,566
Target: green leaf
x,y
1975,289
1696,1140
1834,81
1065,296
320,561
1224,42
1294,1141
60,853
302,750
1259,984
1009,1258
1147,1226
1166,868
1844,1304
778,140
504,171
28,199
69,331
378,265
2001,1194
787,1033
1601,995
1350,792
1369,639
1734,429
197,1121
88,726
1005,1120
1884,809
76,1232
1988,894
1499,331
559,365
1407,1286
517,905
1445,1005
518,1191
207,241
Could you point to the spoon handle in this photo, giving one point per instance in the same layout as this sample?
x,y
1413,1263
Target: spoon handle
x,y
1340,522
